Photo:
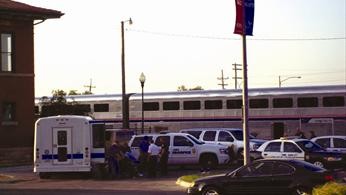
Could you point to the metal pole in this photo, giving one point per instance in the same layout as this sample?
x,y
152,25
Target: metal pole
x,y
245,106
142,84
279,81
125,122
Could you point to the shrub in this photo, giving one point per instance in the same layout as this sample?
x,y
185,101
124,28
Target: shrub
x,y
331,188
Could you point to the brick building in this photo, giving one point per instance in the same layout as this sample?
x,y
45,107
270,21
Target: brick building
x,y
17,117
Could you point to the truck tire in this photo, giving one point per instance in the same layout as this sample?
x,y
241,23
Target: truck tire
x,y
208,161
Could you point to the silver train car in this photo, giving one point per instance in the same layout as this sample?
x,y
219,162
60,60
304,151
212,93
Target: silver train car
x,y
273,112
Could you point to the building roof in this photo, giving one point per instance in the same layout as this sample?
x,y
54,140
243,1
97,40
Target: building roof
x,y
10,9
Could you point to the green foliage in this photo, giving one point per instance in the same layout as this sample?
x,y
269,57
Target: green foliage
x,y
331,188
183,88
189,178
58,105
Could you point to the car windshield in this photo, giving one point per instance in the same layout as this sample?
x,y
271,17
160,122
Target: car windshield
x,y
309,146
239,135
195,140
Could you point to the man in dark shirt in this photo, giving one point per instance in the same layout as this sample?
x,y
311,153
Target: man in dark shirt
x,y
143,156
164,153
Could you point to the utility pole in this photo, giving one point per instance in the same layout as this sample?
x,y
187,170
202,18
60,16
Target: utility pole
x,y
235,68
222,78
90,86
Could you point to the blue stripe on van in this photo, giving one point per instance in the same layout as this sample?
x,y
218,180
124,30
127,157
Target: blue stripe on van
x,y
73,156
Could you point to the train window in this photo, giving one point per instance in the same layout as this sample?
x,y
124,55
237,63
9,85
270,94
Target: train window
x,y
259,103
234,104
192,105
307,102
213,104
151,106
101,107
282,102
171,106
335,101
83,107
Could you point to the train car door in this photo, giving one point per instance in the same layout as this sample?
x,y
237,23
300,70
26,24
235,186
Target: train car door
x,y
62,148
278,130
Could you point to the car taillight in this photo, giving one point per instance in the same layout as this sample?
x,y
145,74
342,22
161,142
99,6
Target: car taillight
x,y
328,178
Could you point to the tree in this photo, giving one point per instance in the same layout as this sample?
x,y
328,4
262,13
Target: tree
x,y
73,92
196,88
182,88
58,105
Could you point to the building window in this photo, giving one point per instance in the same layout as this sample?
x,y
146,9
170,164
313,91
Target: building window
x,y
192,105
9,111
259,103
6,53
170,105
151,106
234,104
101,107
336,101
308,102
282,102
213,104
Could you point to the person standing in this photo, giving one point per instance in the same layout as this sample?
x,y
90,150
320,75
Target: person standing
x,y
312,134
153,153
163,157
143,156
113,160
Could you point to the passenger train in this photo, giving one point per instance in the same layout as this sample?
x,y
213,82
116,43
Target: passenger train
x,y
273,112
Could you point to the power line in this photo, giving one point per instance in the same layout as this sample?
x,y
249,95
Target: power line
x,y
235,39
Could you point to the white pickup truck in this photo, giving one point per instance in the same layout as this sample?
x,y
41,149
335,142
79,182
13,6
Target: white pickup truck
x,y
185,149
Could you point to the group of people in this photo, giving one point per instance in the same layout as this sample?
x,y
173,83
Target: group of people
x,y
301,134
122,164
153,156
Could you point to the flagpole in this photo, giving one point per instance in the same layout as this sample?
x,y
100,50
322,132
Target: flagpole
x,y
245,93
245,105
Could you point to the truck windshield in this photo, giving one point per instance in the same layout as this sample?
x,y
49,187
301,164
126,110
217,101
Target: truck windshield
x,y
195,140
239,135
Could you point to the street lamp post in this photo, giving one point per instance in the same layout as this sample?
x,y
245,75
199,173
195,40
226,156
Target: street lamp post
x,y
285,79
124,110
142,80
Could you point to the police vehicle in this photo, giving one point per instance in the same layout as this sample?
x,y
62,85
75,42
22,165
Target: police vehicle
x,y
73,144
185,149
331,142
225,136
300,149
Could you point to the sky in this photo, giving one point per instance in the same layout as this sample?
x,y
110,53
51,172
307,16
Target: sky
x,y
187,42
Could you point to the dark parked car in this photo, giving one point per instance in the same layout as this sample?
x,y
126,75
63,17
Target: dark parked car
x,y
265,176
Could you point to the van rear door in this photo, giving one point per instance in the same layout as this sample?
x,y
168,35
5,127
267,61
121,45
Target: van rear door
x,y
62,148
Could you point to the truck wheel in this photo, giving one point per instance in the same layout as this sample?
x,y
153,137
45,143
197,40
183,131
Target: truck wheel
x,y
208,161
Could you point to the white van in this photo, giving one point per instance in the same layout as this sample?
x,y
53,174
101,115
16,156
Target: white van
x,y
72,144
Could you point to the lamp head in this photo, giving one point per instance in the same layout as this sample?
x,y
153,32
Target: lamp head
x,y
130,21
142,78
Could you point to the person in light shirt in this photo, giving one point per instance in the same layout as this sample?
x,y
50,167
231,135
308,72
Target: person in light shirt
x,y
153,154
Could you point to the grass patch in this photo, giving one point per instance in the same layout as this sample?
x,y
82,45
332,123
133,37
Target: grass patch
x,y
189,178
331,188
